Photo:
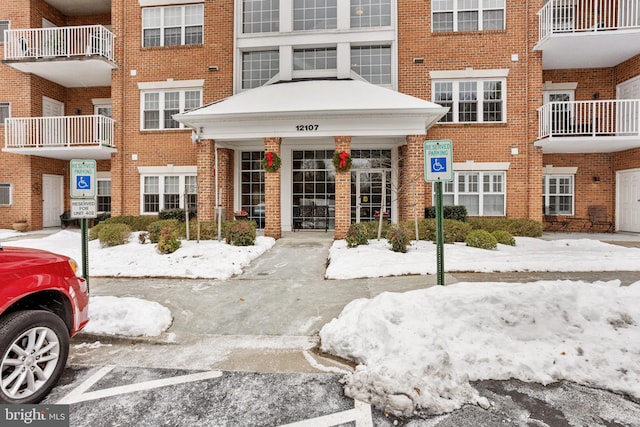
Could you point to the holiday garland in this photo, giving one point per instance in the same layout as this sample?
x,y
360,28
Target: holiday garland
x,y
342,161
271,162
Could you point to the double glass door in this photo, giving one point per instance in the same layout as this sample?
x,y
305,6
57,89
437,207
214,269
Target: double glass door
x,y
371,194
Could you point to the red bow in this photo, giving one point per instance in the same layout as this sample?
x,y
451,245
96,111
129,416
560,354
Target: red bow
x,y
269,159
343,159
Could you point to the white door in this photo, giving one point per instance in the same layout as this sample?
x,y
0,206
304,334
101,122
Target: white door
x,y
628,201
52,200
53,130
628,117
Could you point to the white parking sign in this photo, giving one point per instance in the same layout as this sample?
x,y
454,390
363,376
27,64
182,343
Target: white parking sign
x,y
438,160
83,179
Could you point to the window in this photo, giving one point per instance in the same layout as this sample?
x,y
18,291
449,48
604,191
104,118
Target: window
x,y
172,26
104,195
467,15
168,192
373,63
558,194
5,194
370,13
471,101
260,16
314,14
259,67
252,193
482,193
158,107
4,25
5,112
315,59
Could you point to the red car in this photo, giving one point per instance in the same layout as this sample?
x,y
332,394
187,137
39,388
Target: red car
x,y
42,304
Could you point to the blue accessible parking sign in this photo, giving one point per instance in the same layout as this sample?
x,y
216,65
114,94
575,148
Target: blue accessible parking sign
x,y
438,164
83,179
438,160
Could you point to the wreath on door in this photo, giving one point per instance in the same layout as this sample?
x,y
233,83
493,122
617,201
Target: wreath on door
x,y
342,161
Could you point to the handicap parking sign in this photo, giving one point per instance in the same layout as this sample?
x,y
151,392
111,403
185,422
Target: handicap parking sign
x,y
83,182
438,160
83,179
438,164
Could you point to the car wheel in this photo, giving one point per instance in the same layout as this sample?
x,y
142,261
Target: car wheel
x,y
34,346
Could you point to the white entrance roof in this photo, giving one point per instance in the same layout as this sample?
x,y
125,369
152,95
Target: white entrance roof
x,y
314,108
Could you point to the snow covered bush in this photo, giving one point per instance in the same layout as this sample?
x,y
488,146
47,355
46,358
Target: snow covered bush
x,y
481,239
504,237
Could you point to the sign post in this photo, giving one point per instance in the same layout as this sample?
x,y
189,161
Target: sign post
x,y
83,202
438,167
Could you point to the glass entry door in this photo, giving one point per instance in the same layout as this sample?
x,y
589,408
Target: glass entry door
x,y
371,190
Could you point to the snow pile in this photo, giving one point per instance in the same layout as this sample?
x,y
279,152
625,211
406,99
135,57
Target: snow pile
x,y
530,254
127,316
417,351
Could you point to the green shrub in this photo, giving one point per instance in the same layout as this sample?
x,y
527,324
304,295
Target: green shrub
x,y
481,239
456,231
371,228
177,213
399,238
208,230
240,233
516,226
168,242
136,223
459,213
504,237
95,230
114,234
156,227
356,235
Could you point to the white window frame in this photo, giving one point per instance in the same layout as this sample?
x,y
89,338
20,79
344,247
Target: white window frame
x,y
272,26
361,12
2,30
250,80
161,172
452,188
161,88
480,101
104,177
9,188
6,105
546,195
455,10
183,24
388,84
313,22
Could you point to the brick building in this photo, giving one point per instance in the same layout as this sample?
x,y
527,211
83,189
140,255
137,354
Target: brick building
x,y
179,101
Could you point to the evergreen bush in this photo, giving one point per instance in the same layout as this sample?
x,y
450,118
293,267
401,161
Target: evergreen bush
x,y
240,233
136,223
481,239
459,213
156,227
114,234
168,242
504,237
356,235
516,226
399,238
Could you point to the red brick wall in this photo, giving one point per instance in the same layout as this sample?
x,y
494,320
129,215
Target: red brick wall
x,y
272,185
627,70
343,192
590,81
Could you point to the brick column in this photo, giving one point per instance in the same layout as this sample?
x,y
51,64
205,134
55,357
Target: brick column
x,y
205,160
343,192
413,190
272,180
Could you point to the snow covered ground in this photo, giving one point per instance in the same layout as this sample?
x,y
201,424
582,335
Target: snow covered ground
x,y
417,351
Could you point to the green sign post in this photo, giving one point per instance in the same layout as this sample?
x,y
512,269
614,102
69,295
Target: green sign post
x,y
438,167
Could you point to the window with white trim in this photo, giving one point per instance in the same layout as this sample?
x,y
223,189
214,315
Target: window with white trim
x,y
482,193
5,112
314,15
167,192
373,63
5,194
558,194
370,13
315,59
103,197
471,101
158,107
259,67
4,25
260,16
172,25
467,15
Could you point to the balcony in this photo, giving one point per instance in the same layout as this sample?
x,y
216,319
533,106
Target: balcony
x,y
70,56
70,137
588,33
589,126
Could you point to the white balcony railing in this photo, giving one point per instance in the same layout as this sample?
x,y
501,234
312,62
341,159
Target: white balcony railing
x,y
58,42
617,118
65,131
565,16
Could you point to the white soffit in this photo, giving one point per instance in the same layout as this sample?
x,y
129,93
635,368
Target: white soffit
x,y
314,108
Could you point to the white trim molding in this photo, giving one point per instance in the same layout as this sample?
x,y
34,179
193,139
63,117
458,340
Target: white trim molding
x,y
171,84
550,86
557,170
148,3
470,165
469,73
169,169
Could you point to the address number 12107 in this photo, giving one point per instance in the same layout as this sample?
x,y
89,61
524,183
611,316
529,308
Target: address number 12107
x,y
306,128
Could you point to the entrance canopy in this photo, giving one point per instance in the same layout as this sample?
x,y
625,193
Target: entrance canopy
x,y
313,108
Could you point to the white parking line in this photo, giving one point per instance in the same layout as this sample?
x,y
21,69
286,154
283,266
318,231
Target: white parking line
x,y
361,414
78,395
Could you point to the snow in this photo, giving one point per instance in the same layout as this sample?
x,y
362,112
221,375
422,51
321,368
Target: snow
x,y
418,351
